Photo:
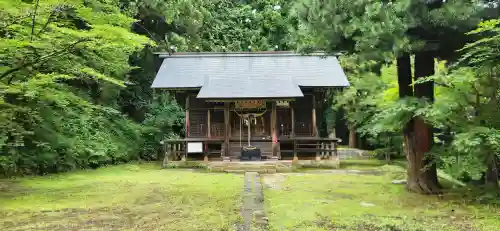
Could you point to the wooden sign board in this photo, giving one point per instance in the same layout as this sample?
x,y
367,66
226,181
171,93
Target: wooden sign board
x,y
195,147
250,104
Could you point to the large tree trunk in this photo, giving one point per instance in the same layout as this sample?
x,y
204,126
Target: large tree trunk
x,y
352,136
491,175
418,180
424,66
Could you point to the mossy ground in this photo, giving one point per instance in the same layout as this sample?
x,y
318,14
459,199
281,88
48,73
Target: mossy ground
x,y
312,201
144,197
126,197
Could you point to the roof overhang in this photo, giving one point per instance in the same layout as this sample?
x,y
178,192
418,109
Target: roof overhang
x,y
248,75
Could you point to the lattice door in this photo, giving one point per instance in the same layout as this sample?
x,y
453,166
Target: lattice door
x,y
198,123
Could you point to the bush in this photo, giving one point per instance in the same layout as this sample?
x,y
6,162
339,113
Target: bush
x,y
58,131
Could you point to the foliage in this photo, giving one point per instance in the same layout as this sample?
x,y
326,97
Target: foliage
x,y
376,30
371,106
163,121
217,25
122,197
383,31
63,66
468,104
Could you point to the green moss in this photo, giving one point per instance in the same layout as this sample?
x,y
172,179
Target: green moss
x,y
353,163
139,197
187,164
314,165
334,202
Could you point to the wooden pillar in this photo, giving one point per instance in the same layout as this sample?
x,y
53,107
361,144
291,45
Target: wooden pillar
x,y
314,125
295,156
187,117
292,133
333,153
318,146
227,129
292,111
323,148
206,152
274,134
209,129
167,152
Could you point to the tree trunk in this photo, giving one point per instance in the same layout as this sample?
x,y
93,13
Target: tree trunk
x,y
491,175
352,136
404,76
424,66
418,180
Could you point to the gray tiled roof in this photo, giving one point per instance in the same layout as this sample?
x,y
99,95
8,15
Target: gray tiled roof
x,y
257,88
249,74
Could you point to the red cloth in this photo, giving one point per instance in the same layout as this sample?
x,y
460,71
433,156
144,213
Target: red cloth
x,y
275,138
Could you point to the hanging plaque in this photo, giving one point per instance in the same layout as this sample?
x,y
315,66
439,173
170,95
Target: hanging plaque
x,y
250,104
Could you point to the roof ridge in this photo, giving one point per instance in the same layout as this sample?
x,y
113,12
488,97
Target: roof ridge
x,y
239,54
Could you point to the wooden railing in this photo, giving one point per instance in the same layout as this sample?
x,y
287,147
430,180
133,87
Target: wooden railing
x,y
324,148
175,150
217,130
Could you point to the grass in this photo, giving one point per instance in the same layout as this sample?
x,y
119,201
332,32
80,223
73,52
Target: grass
x,y
143,197
126,197
362,202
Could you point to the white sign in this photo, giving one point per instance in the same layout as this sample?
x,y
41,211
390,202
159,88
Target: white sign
x,y
195,147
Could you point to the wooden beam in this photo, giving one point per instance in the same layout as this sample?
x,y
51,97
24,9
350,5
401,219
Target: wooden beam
x,y
227,129
274,134
187,116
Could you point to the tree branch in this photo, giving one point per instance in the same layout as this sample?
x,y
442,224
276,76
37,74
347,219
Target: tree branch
x,y
147,31
34,20
49,20
15,20
53,54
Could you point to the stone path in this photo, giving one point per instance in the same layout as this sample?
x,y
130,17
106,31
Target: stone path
x,y
254,217
253,214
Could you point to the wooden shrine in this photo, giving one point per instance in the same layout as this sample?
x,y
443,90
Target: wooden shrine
x,y
265,103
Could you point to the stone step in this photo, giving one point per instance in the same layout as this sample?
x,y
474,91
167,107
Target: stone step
x,y
245,165
261,171
246,168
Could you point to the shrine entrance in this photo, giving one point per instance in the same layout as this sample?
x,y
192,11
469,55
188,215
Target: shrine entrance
x,y
253,126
